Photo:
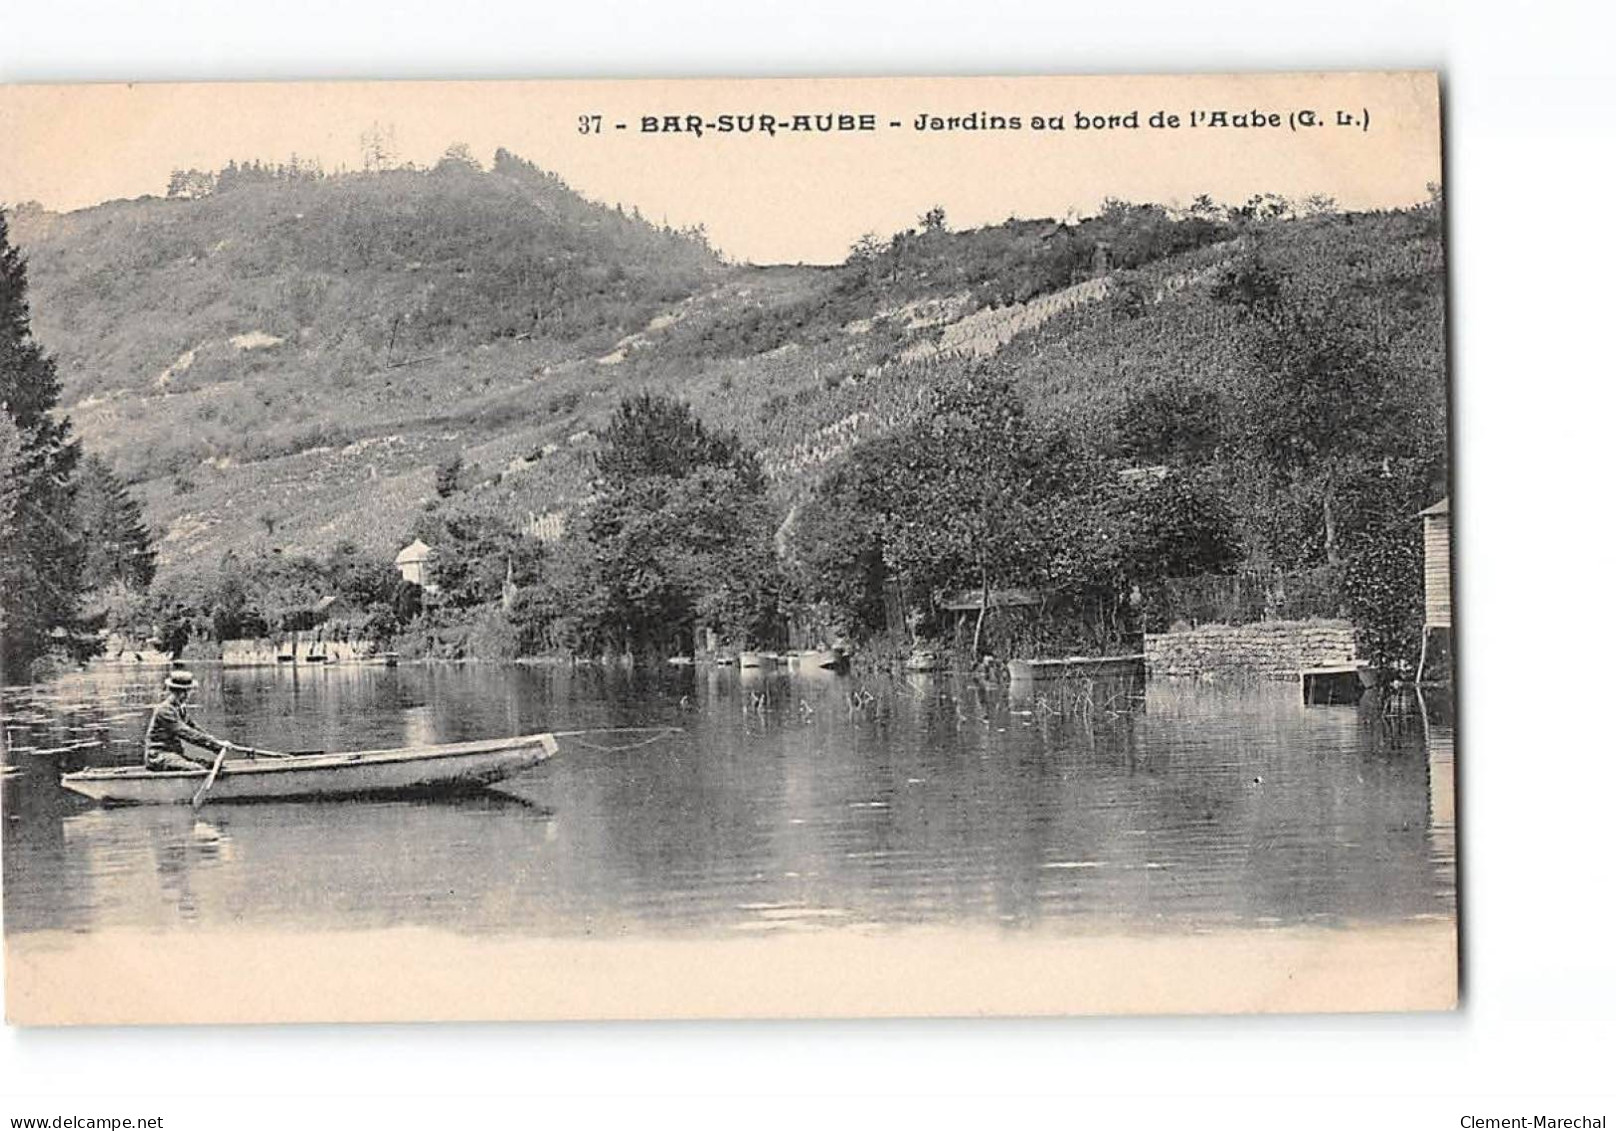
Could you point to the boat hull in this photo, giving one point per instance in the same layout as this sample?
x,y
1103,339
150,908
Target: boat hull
x,y
821,659
407,770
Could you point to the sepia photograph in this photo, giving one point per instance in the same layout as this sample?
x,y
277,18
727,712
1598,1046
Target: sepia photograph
x,y
721,548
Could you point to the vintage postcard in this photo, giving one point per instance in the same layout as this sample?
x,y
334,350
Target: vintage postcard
x,y
725,548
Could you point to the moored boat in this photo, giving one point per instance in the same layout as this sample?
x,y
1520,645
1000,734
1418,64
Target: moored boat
x,y
1092,667
411,769
821,659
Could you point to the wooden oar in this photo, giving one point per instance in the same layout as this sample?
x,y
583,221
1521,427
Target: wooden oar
x,y
196,802
260,752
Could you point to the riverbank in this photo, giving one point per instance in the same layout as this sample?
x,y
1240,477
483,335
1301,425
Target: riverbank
x,y
108,978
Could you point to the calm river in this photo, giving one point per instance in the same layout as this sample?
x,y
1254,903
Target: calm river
x,y
784,803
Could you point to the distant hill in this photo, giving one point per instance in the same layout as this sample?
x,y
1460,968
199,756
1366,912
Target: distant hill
x,y
290,361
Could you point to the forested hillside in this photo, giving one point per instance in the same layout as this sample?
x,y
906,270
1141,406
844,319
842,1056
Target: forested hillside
x,y
381,321
282,360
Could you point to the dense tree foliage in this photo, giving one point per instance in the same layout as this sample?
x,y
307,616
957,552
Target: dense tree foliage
x,y
11,452
41,552
678,536
651,437
979,497
477,553
1384,576
117,543
267,594
1337,445
835,549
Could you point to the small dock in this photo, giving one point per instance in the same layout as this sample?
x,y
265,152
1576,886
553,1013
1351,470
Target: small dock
x,y
1343,684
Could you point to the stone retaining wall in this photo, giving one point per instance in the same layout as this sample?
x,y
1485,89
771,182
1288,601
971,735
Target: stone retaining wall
x,y
1265,650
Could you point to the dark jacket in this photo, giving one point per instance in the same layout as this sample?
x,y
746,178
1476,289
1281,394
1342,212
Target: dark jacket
x,y
170,728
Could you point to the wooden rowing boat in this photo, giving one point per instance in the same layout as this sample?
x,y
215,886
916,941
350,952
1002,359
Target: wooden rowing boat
x,y
410,769
820,659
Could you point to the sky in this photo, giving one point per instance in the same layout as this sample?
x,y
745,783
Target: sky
x,y
790,197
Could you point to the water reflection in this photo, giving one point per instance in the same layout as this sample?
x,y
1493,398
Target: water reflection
x,y
1436,715
786,803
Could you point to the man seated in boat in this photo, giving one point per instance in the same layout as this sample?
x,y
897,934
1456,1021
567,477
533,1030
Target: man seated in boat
x,y
171,727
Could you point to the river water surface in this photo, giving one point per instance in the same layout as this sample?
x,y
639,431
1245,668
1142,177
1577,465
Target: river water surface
x,y
783,803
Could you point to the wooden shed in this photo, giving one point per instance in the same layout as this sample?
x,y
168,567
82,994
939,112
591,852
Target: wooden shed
x,y
1438,569
414,562
1438,594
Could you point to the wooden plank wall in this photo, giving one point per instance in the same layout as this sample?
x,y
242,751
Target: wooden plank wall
x,y
1438,576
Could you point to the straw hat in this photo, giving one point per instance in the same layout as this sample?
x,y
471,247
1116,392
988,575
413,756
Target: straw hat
x,y
180,681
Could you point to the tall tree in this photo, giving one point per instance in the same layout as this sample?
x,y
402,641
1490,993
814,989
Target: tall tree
x,y
1167,422
960,513
1322,408
652,436
40,552
1321,403
458,158
982,497
835,544
117,544
680,534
